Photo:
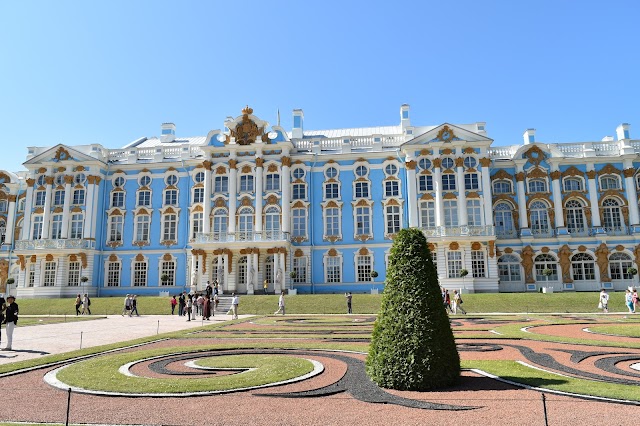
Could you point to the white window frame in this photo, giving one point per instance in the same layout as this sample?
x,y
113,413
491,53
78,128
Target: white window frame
x,y
139,273
74,271
331,264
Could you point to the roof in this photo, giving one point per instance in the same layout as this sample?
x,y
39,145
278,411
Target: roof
x,y
155,141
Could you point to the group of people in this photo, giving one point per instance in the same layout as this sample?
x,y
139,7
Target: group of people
x,y
130,305
192,304
8,316
83,302
630,300
452,306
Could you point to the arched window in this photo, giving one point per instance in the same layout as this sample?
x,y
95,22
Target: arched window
x,y
299,218
474,212
509,268
612,216
56,226
575,217
142,227
573,184
537,185
450,212
583,267
502,187
220,224
539,218
245,223
196,224
77,225
546,261
3,231
609,182
505,227
272,222
619,263
427,214
3,206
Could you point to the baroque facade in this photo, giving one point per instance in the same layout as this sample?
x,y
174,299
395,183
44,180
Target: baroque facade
x,y
316,211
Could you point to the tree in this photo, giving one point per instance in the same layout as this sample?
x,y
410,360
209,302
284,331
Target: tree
x,y
412,346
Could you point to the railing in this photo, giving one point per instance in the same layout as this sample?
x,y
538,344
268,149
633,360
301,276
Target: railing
x,y
598,149
354,142
616,230
579,232
503,152
459,231
222,237
542,232
54,244
506,233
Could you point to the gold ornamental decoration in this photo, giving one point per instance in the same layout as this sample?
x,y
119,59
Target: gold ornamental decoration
x,y
247,131
535,155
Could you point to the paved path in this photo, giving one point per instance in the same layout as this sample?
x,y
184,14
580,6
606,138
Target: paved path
x,y
35,341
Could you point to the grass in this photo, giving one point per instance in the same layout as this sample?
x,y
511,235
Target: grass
x,y
617,330
336,304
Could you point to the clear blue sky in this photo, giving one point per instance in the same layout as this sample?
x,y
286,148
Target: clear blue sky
x,y
108,72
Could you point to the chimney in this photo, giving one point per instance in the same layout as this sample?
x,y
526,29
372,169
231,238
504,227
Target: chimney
x,y
622,131
529,136
168,131
298,119
405,121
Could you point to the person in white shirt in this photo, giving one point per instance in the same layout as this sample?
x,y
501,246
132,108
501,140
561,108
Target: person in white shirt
x,y
234,306
604,301
280,305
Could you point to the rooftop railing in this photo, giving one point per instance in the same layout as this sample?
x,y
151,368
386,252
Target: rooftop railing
x,y
242,236
54,244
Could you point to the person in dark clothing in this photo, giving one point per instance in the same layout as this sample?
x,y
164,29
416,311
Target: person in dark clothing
x,y
181,303
3,308
12,320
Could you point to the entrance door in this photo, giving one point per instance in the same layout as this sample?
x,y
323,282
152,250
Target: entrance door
x,y
241,277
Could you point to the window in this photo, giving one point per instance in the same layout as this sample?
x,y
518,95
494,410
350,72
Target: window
x,y
427,214
391,169
139,274
56,226
58,197
31,278
169,269
361,171
78,197
220,223
619,263
3,231
504,220
391,188
478,268
546,261
171,197
447,163
142,227
42,180
196,224
49,274
272,222
393,219
73,277
331,172
363,221
362,190
144,198
611,215
77,225
454,264
245,223
470,162
169,227
298,173
117,199
198,195
116,226
79,179
502,187
246,183
425,183
171,180
609,182
299,223
575,217
333,269
272,182
118,182
113,274
37,228
474,213
40,197
509,268
537,185
221,184
300,269
331,191
199,177
332,222
299,191
471,181
450,212
424,164
3,206
449,182
573,184
363,264
539,218
145,180
583,267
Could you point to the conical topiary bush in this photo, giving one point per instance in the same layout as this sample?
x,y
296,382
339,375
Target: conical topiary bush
x,y
412,346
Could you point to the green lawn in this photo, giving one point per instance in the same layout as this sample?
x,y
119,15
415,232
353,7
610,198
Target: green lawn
x,y
336,304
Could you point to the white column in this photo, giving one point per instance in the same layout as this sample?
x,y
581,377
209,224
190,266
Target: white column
x,y
259,192
249,277
206,222
462,195
522,200
437,187
285,179
47,209
593,197
89,220
257,272
94,208
557,201
28,206
192,269
486,191
284,271
225,273
412,192
276,265
219,270
233,193
200,272
632,194
11,214
66,210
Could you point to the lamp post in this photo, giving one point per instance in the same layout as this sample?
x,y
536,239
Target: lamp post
x,y
464,273
630,271
84,279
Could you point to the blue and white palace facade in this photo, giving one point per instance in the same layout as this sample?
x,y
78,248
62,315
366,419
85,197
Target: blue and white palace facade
x,y
317,211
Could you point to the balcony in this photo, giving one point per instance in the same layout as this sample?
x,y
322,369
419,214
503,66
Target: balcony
x,y
616,230
459,231
506,233
54,244
223,237
542,232
579,232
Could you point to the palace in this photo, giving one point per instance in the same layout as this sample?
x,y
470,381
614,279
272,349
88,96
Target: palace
x,y
316,211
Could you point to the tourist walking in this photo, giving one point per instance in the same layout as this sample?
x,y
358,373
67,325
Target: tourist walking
x,y
200,302
11,318
604,301
348,296
235,303
457,303
3,308
447,302
206,308
634,299
126,309
86,303
628,300
188,306
182,302
174,302
280,305
209,290
265,286
78,304
134,305
216,300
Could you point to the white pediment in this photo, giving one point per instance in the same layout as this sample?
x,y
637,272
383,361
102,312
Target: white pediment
x,y
60,154
446,133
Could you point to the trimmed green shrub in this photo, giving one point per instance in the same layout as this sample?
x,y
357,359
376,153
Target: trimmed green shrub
x,y
412,345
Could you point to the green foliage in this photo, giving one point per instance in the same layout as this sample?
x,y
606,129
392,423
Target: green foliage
x,y
412,346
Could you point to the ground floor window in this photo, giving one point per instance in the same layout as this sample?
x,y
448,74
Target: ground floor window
x,y
300,269
478,268
113,274
140,274
363,264
168,269
49,274
73,279
333,269
454,264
